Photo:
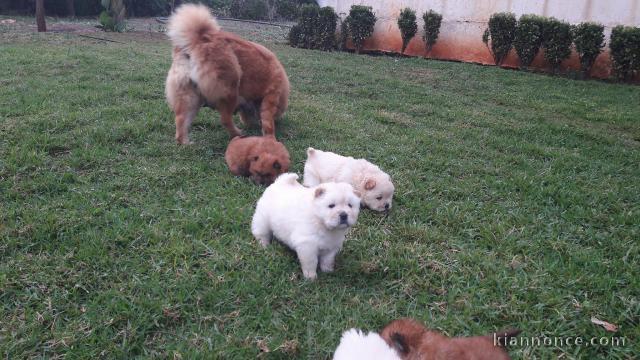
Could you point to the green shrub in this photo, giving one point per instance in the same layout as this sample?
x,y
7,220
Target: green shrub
x,y
589,40
107,22
287,9
408,26
361,21
528,38
249,9
308,22
326,30
625,51
557,42
501,32
432,22
112,18
295,35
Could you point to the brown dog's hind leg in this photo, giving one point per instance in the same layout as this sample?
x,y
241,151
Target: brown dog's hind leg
x,y
268,112
226,117
183,123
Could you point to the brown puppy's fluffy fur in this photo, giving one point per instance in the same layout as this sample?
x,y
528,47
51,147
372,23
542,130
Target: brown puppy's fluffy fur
x,y
260,157
221,70
413,341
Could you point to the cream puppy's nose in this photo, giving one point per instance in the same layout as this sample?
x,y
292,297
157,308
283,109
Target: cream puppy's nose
x,y
343,217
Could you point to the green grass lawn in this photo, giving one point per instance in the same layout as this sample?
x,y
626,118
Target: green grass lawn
x,y
517,205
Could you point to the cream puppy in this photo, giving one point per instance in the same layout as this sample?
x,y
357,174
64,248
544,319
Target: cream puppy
x,y
311,221
374,184
354,344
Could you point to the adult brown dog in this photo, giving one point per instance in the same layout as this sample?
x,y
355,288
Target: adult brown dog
x,y
223,71
413,341
262,158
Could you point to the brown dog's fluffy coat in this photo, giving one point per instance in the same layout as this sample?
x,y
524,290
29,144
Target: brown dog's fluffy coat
x,y
221,70
413,341
262,158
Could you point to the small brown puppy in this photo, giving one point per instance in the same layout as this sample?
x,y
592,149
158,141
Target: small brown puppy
x,y
262,158
413,341
223,71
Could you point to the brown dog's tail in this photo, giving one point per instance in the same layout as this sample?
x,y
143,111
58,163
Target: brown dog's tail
x,y
190,24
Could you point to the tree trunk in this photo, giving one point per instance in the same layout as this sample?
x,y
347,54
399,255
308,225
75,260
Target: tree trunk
x,y
42,25
71,8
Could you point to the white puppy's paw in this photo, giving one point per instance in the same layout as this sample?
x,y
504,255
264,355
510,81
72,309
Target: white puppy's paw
x,y
264,241
310,275
326,268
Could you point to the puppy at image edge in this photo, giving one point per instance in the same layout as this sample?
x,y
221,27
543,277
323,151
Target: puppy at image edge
x,y
311,221
374,184
408,339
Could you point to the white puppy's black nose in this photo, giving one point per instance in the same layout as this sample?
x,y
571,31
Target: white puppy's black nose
x,y
386,206
343,217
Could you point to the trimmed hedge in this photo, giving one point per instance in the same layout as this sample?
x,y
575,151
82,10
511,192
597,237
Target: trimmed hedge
x,y
625,51
501,32
528,38
432,23
316,28
327,23
408,26
360,21
557,42
308,23
294,35
588,38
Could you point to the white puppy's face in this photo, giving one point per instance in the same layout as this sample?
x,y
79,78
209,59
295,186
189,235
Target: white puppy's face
x,y
337,205
378,192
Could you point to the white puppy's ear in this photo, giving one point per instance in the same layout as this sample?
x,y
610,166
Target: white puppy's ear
x,y
369,184
357,193
319,192
311,151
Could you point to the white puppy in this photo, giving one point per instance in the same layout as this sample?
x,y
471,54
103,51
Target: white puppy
x,y
311,221
374,184
354,344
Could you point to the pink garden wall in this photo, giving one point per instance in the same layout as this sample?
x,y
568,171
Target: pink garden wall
x,y
464,21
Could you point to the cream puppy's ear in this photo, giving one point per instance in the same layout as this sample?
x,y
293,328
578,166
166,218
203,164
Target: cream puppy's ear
x,y
311,151
319,192
357,193
369,184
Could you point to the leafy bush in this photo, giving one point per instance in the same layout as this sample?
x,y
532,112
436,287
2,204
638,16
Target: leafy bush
x,y
316,28
528,38
361,21
249,9
408,26
432,22
287,9
589,40
501,32
326,31
556,42
112,18
308,22
625,51
295,35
